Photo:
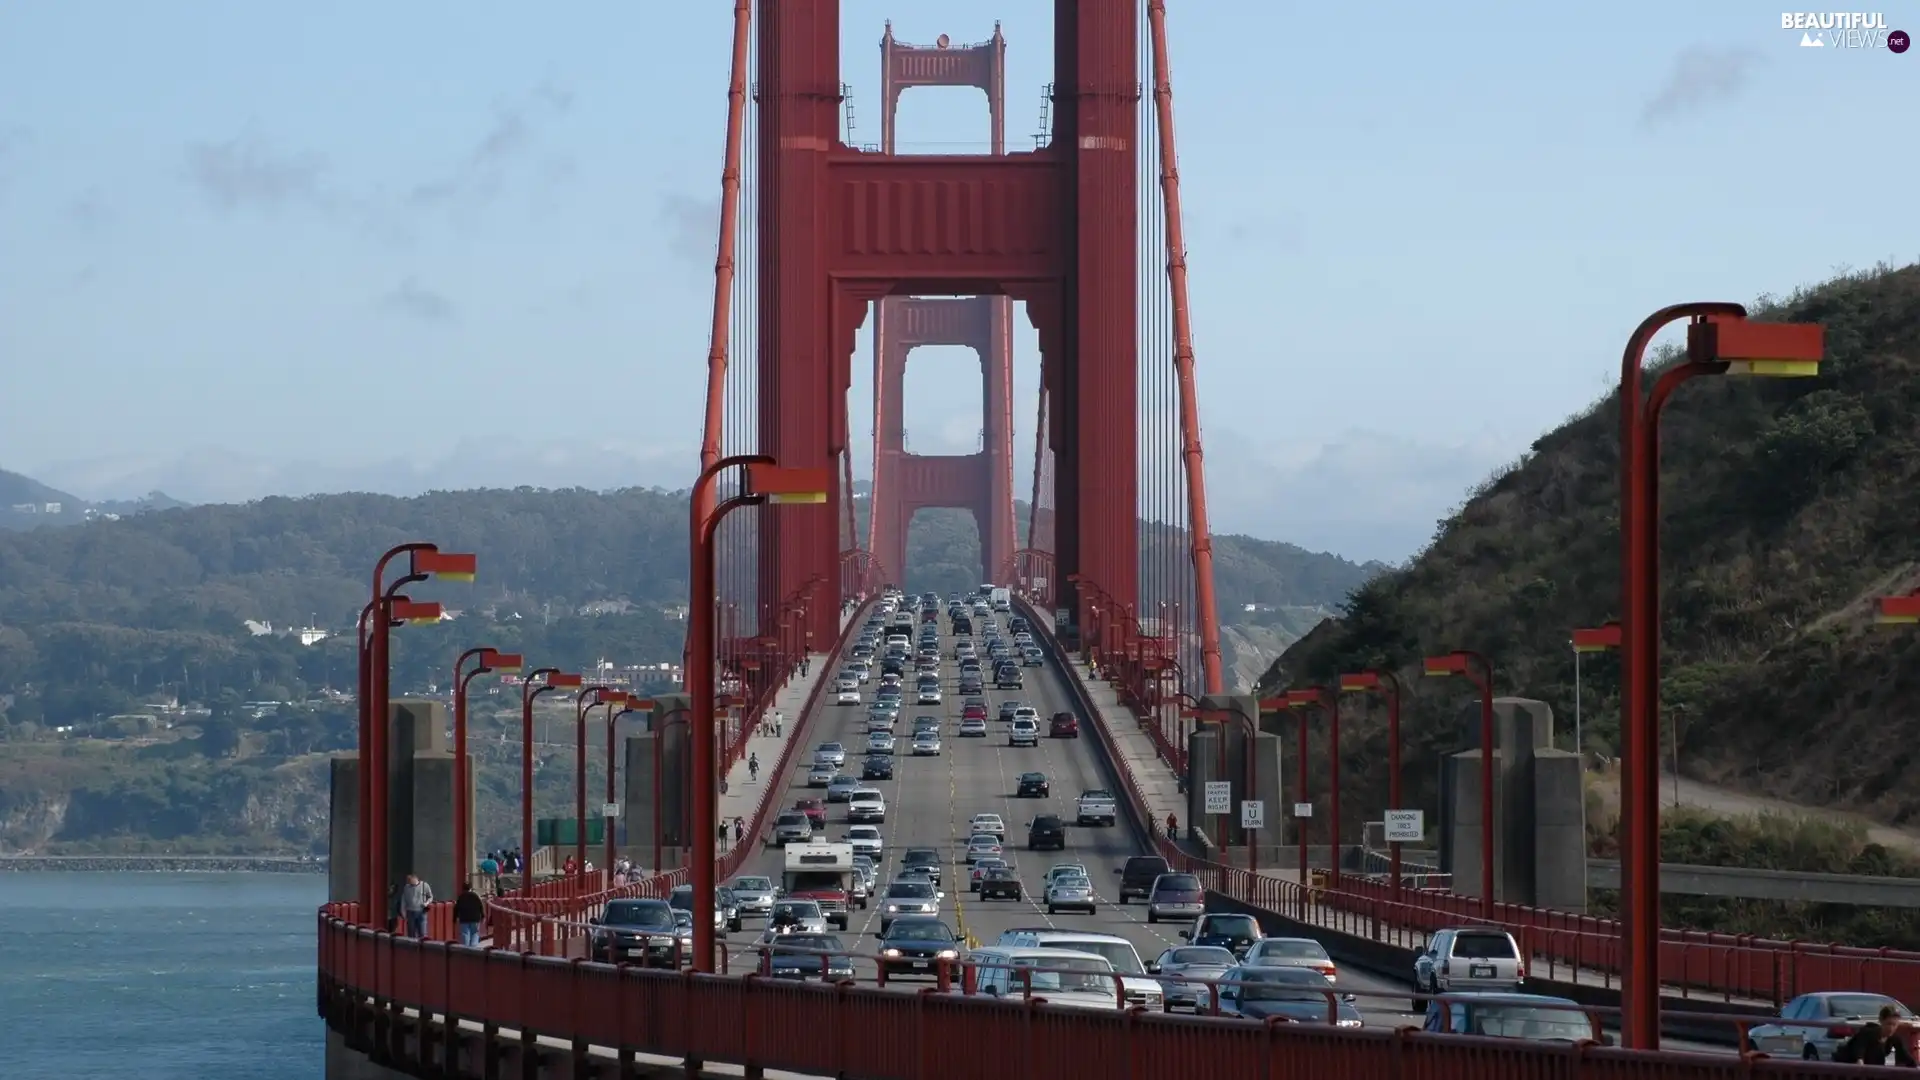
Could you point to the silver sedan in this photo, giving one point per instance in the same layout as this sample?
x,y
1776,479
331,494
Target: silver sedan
x,y
1183,972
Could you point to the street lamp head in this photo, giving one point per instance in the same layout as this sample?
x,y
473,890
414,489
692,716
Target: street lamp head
x,y
1359,682
416,612
1597,639
445,565
1272,704
1450,664
1777,350
1301,699
1898,610
501,661
564,679
788,486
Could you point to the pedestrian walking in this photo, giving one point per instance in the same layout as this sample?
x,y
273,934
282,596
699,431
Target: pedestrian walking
x,y
469,911
490,873
739,830
723,836
415,897
753,767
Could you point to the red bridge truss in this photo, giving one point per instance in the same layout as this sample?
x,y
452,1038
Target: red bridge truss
x,y
821,237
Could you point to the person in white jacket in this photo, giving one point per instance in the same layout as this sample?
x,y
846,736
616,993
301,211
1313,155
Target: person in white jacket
x,y
415,897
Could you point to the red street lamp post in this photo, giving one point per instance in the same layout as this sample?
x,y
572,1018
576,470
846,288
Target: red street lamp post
x,y
555,680
425,560
1302,700
1201,713
369,732
762,482
615,710
1475,667
1329,702
1720,341
1589,640
489,660
586,699
1384,684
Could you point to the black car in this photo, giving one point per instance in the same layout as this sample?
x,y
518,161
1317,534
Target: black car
x,y
1018,625
635,932
915,944
877,767
922,858
1001,883
1138,875
1007,709
728,908
1047,831
893,665
807,956
1236,933
1292,993
1033,785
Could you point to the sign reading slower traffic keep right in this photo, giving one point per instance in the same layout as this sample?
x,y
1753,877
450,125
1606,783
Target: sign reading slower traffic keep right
x,y
1219,796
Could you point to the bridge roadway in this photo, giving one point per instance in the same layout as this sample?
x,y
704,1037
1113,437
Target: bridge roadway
x,y
931,799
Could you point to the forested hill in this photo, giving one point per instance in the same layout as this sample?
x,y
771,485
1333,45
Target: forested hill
x,y
1788,506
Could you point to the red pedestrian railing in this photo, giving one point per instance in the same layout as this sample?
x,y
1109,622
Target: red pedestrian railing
x,y
1692,962
396,999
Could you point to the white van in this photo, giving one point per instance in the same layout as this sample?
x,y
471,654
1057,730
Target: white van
x,y
1080,979
1117,951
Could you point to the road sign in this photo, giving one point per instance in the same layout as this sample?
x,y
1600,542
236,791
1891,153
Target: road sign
x,y
1406,826
1219,797
1303,809
611,809
1253,814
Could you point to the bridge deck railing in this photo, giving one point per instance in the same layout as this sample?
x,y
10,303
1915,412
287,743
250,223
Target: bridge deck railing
x,y
1727,965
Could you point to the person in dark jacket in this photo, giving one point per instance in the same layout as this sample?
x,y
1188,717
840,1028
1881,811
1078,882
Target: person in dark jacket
x,y
1873,1042
469,911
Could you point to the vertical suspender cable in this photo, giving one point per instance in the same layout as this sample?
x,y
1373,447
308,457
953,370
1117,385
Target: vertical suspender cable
x,y
1207,616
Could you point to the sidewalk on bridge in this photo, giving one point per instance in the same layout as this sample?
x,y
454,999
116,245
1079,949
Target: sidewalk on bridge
x,y
744,794
1159,784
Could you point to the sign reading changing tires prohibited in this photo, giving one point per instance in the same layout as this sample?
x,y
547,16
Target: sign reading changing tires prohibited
x,y
1303,809
1253,814
1406,826
611,809
1219,797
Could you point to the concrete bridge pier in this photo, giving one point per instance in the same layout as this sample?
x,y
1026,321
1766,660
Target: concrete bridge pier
x,y
419,805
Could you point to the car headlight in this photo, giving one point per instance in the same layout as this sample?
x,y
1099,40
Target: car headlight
x,y
893,909
947,954
889,952
1348,1022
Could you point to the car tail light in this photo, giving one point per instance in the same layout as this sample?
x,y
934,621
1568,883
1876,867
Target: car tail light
x,y
1840,1031
1520,970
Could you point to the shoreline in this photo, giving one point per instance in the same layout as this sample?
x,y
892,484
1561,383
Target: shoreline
x,y
162,864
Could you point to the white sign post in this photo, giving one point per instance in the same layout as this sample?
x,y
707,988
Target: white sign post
x,y
1253,814
1406,826
611,810
1219,797
1303,809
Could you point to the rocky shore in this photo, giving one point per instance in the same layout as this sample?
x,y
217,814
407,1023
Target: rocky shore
x,y
120,864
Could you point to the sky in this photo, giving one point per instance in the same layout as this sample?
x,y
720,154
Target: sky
x,y
254,248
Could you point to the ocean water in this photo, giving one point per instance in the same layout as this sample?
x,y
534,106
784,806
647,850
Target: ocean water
x,y
159,976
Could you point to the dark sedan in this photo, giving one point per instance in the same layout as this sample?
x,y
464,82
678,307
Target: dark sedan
x,y
808,956
1301,995
1047,831
877,767
916,944
924,859
635,932
1001,883
1235,933
1033,785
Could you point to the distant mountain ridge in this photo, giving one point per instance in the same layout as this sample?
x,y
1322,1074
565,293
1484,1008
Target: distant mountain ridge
x,y
26,503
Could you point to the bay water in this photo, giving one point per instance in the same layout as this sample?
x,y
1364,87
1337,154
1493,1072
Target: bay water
x,y
159,976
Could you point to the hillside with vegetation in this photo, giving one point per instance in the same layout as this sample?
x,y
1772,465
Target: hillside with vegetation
x,y
1789,506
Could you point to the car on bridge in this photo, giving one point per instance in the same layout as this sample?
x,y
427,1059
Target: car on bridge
x,y
1023,732
983,846
1047,832
1096,806
915,945
792,827
981,867
880,742
1185,971
816,812
635,930
1469,958
1063,726
1138,875
973,727
867,807
1031,656
1296,995
807,956
908,898
1539,1018
1813,1026
1031,785
926,744
822,774
1007,676
866,840
1001,883
1235,933
794,917
1292,952
989,824
1063,976
922,858
846,694
753,895
1073,891
877,767
830,753
841,788
1175,896
929,694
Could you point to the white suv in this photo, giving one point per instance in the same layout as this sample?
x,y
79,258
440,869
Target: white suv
x,y
1024,731
866,806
